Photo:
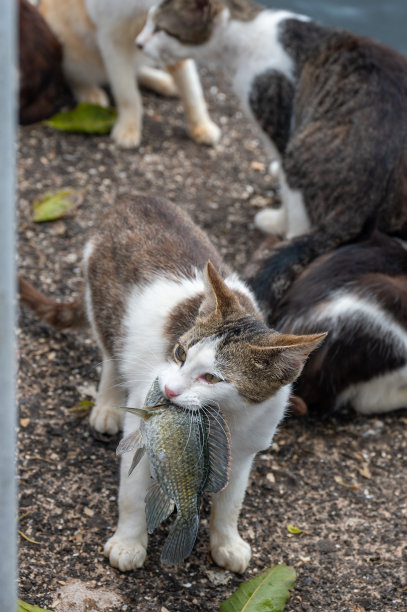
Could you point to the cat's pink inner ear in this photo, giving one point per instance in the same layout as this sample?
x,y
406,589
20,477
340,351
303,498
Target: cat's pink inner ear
x,y
224,300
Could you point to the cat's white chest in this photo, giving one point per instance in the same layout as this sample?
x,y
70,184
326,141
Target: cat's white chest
x,y
260,51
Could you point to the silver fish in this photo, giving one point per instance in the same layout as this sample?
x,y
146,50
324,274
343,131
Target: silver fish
x,y
189,454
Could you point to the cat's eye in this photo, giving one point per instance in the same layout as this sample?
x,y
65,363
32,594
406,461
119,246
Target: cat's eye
x,y
210,378
179,354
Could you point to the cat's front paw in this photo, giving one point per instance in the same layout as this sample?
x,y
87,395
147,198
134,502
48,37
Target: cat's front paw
x,y
233,554
126,134
271,221
206,133
105,419
125,554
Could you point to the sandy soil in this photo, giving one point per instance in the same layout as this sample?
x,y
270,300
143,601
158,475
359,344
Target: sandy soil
x,y
342,480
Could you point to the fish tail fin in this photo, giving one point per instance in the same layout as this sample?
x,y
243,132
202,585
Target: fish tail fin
x,y
180,541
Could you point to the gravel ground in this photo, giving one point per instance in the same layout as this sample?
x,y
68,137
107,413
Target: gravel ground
x,y
342,480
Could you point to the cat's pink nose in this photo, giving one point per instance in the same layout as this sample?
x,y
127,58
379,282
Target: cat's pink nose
x,y
169,393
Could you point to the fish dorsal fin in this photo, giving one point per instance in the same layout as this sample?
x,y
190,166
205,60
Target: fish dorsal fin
x,y
158,506
130,442
219,451
136,459
155,397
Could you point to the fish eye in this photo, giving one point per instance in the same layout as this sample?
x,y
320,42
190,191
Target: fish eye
x,y
210,378
179,354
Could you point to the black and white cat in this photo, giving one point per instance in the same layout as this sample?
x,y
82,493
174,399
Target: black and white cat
x,y
332,108
158,309
358,293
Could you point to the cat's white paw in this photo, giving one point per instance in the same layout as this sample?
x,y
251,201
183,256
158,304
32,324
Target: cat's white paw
x,y
125,554
105,419
271,221
126,134
233,555
206,133
91,94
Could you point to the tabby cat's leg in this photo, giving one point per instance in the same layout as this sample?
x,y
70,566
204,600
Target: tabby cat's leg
x,y
228,549
200,126
126,549
118,56
106,417
157,80
90,94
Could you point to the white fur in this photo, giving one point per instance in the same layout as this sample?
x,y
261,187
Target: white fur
x,y
143,358
244,50
107,53
291,219
387,391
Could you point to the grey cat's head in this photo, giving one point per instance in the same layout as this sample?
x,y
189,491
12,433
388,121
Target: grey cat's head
x,y
178,29
229,353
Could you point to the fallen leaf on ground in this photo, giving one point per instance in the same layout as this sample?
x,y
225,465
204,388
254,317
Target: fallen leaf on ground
x,y
27,538
85,119
268,592
82,408
354,486
22,606
52,206
292,529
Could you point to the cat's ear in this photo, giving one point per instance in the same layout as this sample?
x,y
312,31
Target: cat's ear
x,y
286,355
218,295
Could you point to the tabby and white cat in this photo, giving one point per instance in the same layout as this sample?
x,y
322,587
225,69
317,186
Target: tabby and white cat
x,y
332,109
98,44
157,308
358,293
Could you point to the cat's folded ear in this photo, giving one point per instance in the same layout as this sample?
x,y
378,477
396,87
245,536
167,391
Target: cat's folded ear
x,y
286,355
218,296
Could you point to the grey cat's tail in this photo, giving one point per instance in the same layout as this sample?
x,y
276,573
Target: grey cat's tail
x,y
71,315
180,541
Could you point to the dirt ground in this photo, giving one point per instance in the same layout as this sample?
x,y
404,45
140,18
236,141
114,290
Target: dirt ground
x,y
342,480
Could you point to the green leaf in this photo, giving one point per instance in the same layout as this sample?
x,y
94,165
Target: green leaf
x,y
293,529
267,592
25,607
52,206
85,119
83,407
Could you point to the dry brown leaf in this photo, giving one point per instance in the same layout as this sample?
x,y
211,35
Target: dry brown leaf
x,y
355,486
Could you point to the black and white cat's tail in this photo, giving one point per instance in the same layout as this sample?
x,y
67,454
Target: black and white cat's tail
x,y
69,315
270,275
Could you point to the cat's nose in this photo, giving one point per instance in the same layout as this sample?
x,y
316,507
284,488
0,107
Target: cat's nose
x,y
169,393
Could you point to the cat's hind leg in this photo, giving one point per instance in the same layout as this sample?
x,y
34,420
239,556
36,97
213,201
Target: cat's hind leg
x,y
157,80
127,548
228,549
106,415
378,395
201,128
90,94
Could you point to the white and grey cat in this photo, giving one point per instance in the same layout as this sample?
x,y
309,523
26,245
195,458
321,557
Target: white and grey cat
x,y
331,107
158,309
97,37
